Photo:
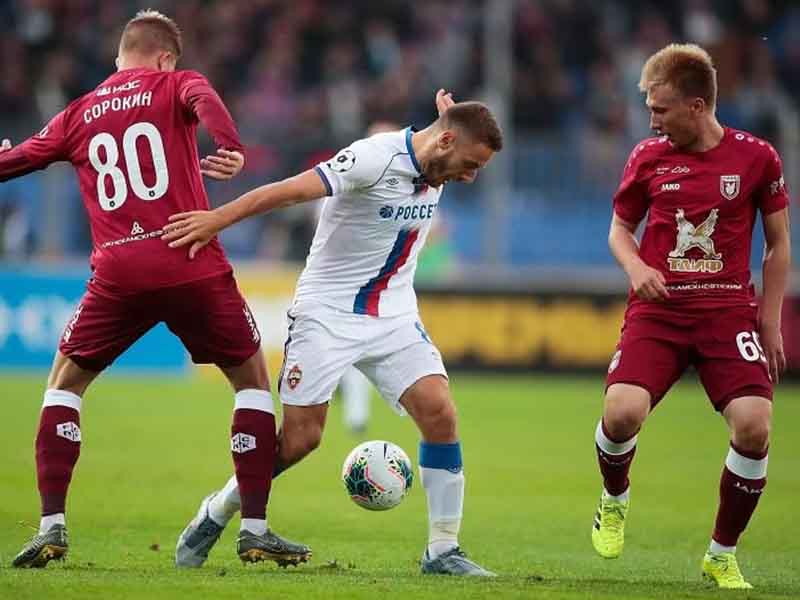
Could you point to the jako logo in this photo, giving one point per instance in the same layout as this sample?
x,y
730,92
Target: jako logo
x,y
670,187
386,212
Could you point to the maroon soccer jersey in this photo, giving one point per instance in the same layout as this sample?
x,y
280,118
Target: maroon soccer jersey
x,y
701,208
133,144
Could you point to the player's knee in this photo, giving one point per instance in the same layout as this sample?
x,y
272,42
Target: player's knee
x,y
624,418
752,436
439,423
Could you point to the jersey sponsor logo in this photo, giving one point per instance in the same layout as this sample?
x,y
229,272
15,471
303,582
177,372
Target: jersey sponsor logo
x,y
294,376
679,170
386,212
125,87
344,161
691,236
243,442
670,187
69,431
136,229
729,186
416,211
133,237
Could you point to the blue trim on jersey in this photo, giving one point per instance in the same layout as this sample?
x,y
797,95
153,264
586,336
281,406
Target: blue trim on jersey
x,y
360,304
440,456
410,148
324,178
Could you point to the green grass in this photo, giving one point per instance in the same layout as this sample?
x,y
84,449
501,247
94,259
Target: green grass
x,y
153,448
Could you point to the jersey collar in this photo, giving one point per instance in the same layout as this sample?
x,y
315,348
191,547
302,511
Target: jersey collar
x,y
410,148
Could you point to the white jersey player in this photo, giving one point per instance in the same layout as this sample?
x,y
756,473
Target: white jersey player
x,y
355,305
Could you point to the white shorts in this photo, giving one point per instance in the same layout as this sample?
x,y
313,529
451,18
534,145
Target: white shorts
x,y
393,353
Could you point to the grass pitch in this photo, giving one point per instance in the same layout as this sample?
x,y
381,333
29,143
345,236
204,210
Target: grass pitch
x,y
152,448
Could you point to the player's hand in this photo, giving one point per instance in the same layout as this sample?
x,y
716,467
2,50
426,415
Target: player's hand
x,y
444,100
223,165
649,283
5,145
772,344
197,228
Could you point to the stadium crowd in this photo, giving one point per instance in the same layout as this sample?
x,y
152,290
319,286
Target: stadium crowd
x,y
304,77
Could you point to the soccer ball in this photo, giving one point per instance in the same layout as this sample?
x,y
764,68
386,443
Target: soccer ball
x,y
377,475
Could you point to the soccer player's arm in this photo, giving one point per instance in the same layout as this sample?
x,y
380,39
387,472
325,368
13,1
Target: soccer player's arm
x,y
351,169
630,207
37,152
201,100
774,206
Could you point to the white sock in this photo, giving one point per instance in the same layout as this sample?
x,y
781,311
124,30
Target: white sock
x,y
716,548
445,491
256,526
623,497
47,522
226,503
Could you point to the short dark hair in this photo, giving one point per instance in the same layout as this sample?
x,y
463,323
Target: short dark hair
x,y
477,120
150,31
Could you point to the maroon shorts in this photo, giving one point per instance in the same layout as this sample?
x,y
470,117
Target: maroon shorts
x,y
209,315
656,347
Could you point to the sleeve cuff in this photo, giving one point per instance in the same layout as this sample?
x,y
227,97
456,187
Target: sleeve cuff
x,y
325,181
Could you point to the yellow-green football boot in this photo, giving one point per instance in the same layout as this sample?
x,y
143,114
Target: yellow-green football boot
x,y
608,532
722,569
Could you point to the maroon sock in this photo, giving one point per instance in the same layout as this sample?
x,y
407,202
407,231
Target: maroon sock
x,y
58,445
613,466
254,447
738,495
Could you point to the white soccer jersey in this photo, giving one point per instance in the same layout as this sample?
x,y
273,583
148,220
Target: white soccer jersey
x,y
371,228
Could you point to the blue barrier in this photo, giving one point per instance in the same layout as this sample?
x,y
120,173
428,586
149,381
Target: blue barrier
x,y
36,303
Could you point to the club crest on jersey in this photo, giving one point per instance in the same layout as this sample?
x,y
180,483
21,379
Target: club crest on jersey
x,y
729,186
293,377
344,161
695,236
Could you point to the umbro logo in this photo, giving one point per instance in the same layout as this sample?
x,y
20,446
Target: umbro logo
x,y
392,181
136,229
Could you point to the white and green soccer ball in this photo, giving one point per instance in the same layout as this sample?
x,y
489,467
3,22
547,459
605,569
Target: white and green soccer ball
x,y
377,475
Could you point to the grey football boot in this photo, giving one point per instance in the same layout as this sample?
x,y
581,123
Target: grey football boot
x,y
198,537
453,562
270,546
43,547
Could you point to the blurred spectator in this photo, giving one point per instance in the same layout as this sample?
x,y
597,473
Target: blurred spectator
x,y
303,79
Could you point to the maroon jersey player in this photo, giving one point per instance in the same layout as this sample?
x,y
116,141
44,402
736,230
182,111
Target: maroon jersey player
x,y
132,141
700,186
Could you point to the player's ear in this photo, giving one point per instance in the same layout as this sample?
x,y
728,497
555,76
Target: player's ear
x,y
166,61
116,62
698,106
446,140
